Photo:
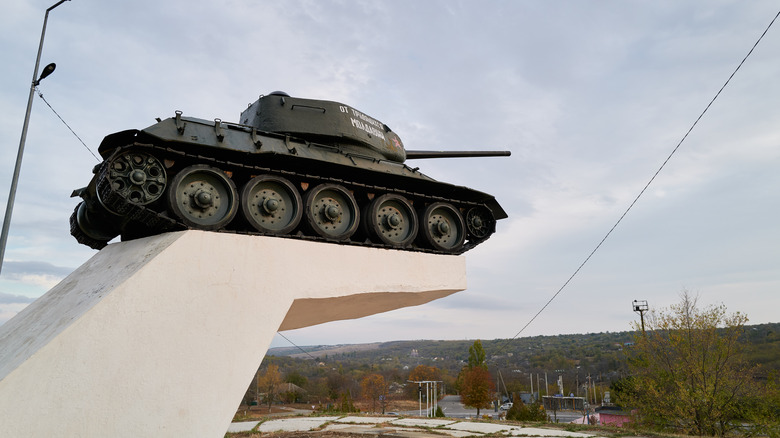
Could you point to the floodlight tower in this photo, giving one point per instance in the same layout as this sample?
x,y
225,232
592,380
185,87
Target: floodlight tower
x,y
641,307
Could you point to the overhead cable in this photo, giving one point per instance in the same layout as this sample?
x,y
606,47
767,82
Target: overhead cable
x,y
648,183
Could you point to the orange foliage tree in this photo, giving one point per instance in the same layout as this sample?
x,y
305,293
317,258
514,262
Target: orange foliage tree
x,y
424,372
374,389
476,388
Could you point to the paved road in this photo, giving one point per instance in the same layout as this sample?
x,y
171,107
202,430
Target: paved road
x,y
452,407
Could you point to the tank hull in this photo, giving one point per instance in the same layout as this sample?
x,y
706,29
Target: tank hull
x,y
192,173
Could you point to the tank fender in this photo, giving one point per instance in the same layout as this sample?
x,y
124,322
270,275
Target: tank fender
x,y
120,138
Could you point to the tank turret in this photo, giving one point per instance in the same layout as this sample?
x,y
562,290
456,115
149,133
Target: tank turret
x,y
293,168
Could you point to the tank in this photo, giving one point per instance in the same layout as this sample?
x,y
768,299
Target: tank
x,y
292,168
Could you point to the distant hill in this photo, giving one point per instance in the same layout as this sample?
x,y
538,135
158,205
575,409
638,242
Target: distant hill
x,y
319,350
538,363
581,354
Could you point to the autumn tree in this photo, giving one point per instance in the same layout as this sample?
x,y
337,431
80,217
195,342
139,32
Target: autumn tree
x,y
269,383
688,369
476,388
374,389
422,373
476,385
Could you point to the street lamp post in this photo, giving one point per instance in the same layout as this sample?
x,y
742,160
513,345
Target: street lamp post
x,y
15,180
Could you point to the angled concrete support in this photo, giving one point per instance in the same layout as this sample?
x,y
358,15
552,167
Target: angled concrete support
x,y
161,336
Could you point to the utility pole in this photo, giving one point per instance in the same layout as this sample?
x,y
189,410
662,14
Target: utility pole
x,y
641,307
539,386
497,394
17,168
435,399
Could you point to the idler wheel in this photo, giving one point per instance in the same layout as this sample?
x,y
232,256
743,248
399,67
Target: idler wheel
x,y
442,227
480,222
203,197
271,204
391,219
137,177
331,211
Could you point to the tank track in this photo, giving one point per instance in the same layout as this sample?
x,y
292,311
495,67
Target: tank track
x,y
160,222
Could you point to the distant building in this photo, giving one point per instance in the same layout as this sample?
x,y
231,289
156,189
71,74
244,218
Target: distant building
x,y
527,397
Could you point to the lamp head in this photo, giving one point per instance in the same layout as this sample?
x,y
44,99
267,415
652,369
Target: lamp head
x,y
49,69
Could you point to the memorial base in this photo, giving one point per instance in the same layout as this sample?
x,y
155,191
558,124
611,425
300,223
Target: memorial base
x,y
161,336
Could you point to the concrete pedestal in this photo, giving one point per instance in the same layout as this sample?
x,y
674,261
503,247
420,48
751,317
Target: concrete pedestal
x,y
161,336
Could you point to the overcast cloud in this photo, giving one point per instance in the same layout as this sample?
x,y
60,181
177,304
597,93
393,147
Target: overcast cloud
x,y
590,97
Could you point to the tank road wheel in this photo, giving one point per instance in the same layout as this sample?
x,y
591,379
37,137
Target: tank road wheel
x,y
391,219
331,211
271,204
203,197
137,177
480,222
443,228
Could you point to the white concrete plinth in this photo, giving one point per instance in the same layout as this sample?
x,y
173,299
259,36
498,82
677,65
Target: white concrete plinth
x,y
161,336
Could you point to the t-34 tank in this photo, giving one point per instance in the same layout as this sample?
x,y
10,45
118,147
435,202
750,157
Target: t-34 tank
x,y
292,167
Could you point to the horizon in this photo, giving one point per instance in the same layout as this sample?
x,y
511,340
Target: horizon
x,y
623,332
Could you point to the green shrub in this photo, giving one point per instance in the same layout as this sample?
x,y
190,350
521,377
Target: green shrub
x,y
522,412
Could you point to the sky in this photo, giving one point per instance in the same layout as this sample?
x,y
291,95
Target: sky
x,y
590,96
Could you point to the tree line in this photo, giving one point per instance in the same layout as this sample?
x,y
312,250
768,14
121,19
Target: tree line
x,y
694,370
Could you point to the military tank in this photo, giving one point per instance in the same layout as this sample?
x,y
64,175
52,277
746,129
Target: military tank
x,y
293,167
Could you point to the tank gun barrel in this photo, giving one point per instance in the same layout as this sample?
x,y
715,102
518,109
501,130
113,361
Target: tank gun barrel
x,y
413,155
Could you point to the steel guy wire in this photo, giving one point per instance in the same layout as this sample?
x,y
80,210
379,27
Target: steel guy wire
x,y
291,342
63,121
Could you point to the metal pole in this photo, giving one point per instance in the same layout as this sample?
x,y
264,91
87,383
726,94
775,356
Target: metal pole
x,y
429,392
15,180
538,386
435,399
427,401
419,392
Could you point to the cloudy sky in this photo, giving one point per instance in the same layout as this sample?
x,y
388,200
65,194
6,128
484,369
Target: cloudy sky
x,y
590,97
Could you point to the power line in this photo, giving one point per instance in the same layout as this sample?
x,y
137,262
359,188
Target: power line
x,y
293,344
632,203
648,183
63,121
